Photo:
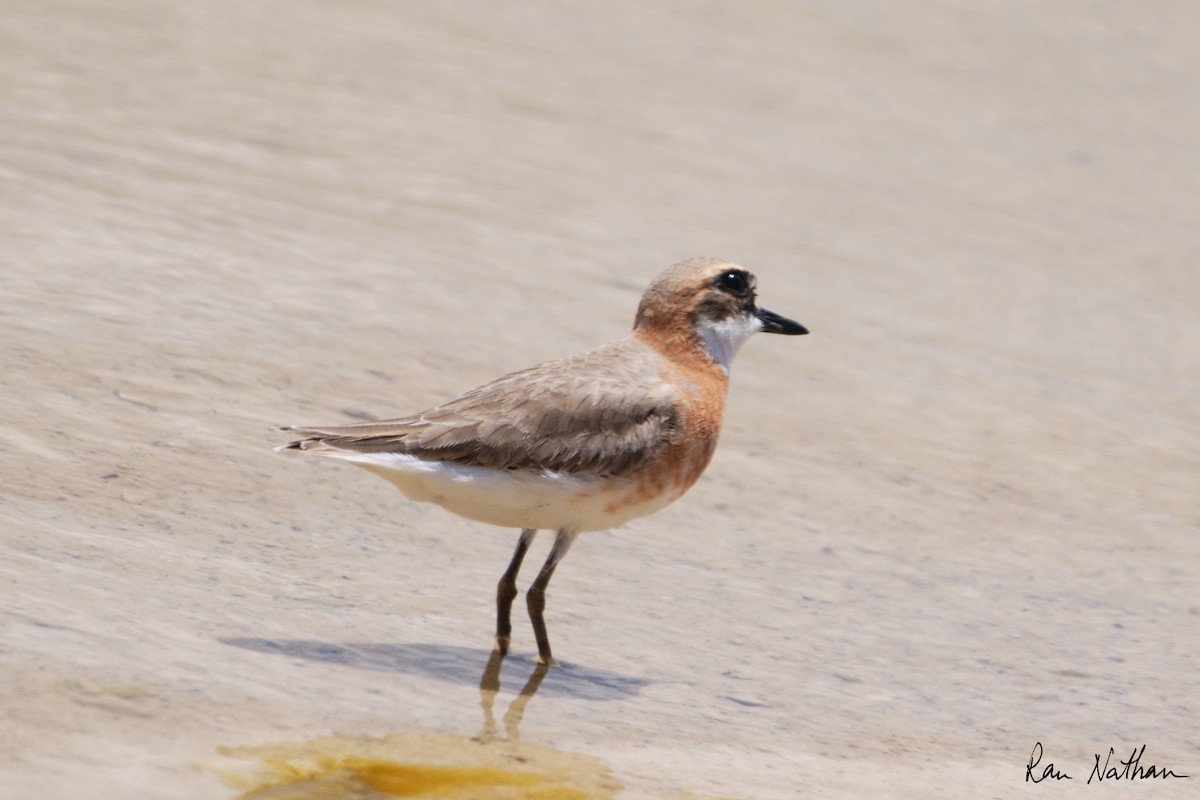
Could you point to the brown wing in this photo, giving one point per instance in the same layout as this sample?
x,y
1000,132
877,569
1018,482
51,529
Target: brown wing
x,y
600,413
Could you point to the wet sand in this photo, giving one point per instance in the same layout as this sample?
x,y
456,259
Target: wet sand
x,y
958,519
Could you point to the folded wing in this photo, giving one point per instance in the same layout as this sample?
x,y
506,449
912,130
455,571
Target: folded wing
x,y
593,414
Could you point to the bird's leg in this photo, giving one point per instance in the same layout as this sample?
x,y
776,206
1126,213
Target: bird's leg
x,y
506,592
535,598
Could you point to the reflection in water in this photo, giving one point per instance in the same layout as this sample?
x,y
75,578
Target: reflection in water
x,y
432,766
489,687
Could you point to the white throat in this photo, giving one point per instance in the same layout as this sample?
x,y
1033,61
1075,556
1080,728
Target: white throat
x,y
723,338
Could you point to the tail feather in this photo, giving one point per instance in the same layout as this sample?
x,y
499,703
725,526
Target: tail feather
x,y
312,442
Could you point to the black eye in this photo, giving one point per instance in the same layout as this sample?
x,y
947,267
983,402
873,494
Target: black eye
x,y
733,282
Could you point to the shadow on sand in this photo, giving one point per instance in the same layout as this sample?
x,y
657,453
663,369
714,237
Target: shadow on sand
x,y
455,664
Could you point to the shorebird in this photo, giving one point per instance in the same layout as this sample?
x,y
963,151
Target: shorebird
x,y
583,443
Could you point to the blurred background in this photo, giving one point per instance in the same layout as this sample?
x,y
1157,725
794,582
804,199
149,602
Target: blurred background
x,y
957,519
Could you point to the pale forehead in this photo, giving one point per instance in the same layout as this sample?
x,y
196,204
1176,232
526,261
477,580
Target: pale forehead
x,y
696,271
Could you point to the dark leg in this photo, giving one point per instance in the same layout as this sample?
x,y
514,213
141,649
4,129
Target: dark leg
x,y
506,592
535,598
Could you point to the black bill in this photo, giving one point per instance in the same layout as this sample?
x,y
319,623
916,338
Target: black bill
x,y
773,323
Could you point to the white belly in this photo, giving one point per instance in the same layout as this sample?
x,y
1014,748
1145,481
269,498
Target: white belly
x,y
511,498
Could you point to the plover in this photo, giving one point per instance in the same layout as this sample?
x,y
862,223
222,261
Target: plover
x,y
583,443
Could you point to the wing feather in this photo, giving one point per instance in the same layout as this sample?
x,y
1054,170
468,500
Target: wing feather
x,y
600,413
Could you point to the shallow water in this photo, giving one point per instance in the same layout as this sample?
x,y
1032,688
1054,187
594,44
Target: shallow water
x,y
348,768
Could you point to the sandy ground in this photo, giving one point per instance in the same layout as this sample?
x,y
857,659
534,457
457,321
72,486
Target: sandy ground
x,y
958,519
